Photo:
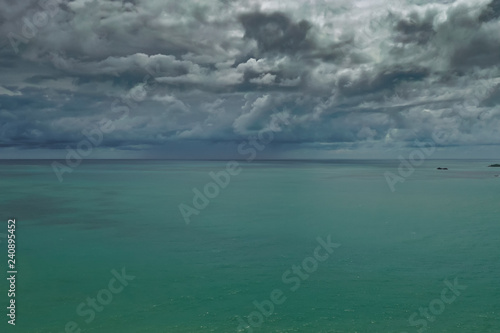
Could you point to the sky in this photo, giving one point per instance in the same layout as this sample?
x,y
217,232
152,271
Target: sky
x,y
213,79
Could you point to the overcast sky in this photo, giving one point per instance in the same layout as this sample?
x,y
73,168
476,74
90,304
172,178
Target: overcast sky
x,y
195,79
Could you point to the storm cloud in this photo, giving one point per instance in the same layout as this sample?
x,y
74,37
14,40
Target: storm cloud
x,y
193,79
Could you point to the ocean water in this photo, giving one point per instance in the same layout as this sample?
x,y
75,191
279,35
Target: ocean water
x,y
396,249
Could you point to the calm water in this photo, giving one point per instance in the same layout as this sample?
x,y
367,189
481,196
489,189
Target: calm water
x,y
397,248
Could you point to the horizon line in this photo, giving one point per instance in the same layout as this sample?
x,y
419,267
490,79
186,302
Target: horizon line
x,y
240,160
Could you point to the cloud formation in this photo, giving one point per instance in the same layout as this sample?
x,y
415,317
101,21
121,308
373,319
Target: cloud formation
x,y
201,77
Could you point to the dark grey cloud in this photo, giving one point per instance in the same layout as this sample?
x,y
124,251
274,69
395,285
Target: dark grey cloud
x,y
416,29
490,12
381,79
276,32
482,50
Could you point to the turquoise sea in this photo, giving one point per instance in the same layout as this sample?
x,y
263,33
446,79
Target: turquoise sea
x,y
396,250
